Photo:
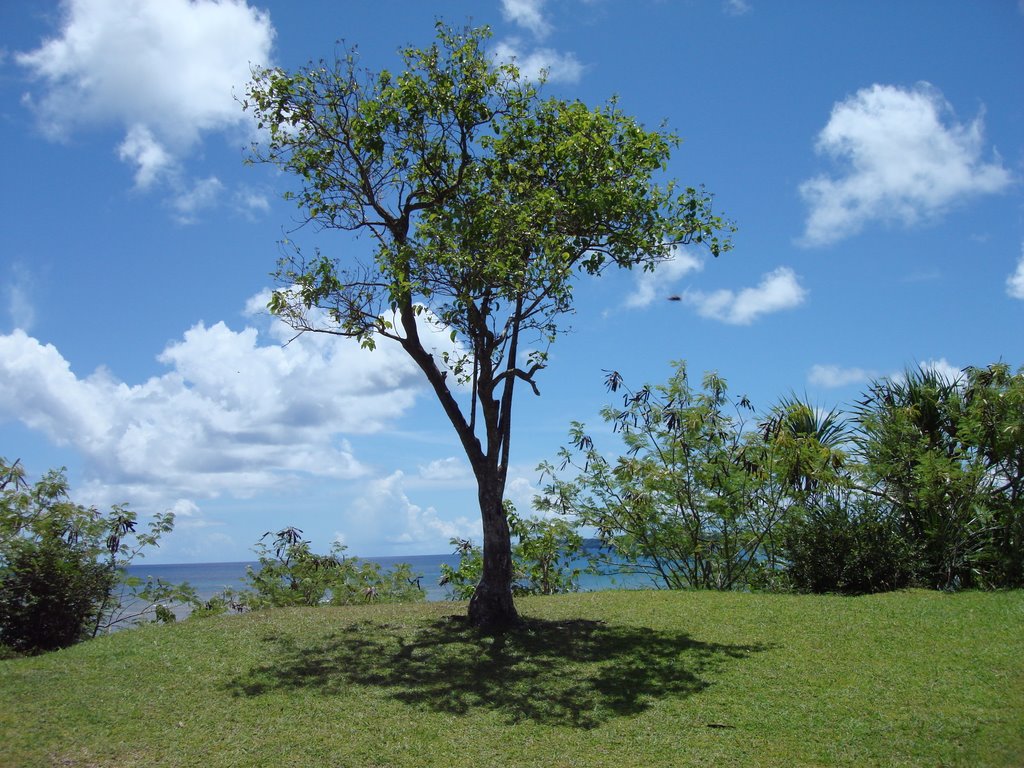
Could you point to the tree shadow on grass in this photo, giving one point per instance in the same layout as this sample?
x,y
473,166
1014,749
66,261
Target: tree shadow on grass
x,y
574,673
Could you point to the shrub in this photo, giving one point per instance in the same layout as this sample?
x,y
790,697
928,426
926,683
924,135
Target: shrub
x,y
50,592
948,454
850,546
62,565
290,573
697,500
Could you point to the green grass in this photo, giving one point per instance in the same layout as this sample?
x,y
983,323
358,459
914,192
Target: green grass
x,y
598,679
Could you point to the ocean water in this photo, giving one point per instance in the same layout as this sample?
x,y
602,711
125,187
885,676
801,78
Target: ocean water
x,y
210,578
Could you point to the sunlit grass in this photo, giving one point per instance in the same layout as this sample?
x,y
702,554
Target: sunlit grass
x,y
595,679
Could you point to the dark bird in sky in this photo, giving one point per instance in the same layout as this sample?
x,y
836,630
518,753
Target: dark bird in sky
x,y
675,298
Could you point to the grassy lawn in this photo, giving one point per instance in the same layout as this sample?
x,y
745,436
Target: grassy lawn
x,y
596,679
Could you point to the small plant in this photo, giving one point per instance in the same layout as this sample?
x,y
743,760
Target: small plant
x,y
291,574
51,590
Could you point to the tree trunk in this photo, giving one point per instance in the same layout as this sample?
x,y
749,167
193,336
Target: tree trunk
x,y
491,607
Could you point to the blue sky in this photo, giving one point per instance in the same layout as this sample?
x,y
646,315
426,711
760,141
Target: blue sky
x,y
870,153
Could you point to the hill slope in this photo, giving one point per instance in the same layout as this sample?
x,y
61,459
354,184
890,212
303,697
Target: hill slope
x,y
595,679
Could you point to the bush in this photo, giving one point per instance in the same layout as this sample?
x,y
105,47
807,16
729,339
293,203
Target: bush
x,y
50,592
697,500
850,547
948,455
291,574
62,565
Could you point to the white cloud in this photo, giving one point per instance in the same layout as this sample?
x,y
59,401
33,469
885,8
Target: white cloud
x,y
1015,282
231,415
236,414
451,470
256,304
151,159
541,62
165,71
833,376
251,203
736,7
649,286
906,159
386,519
944,368
202,195
521,490
385,513
778,290
527,14
186,508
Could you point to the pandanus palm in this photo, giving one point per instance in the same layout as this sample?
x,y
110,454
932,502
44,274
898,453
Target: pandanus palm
x,y
811,440
909,436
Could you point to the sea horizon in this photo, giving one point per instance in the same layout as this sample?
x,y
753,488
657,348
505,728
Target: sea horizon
x,y
208,579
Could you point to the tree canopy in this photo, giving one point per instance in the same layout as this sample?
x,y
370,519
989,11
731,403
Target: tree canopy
x,y
485,201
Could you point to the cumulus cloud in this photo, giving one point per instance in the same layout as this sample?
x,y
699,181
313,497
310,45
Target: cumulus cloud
x,y
834,376
1015,282
385,512
453,470
233,414
250,202
521,489
905,158
203,194
164,72
649,286
386,518
150,158
528,14
540,63
778,290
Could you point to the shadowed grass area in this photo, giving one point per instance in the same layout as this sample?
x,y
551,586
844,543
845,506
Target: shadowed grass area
x,y
594,679
576,672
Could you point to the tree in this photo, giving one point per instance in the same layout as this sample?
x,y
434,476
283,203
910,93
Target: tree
x,y
948,454
545,558
993,428
696,498
484,202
